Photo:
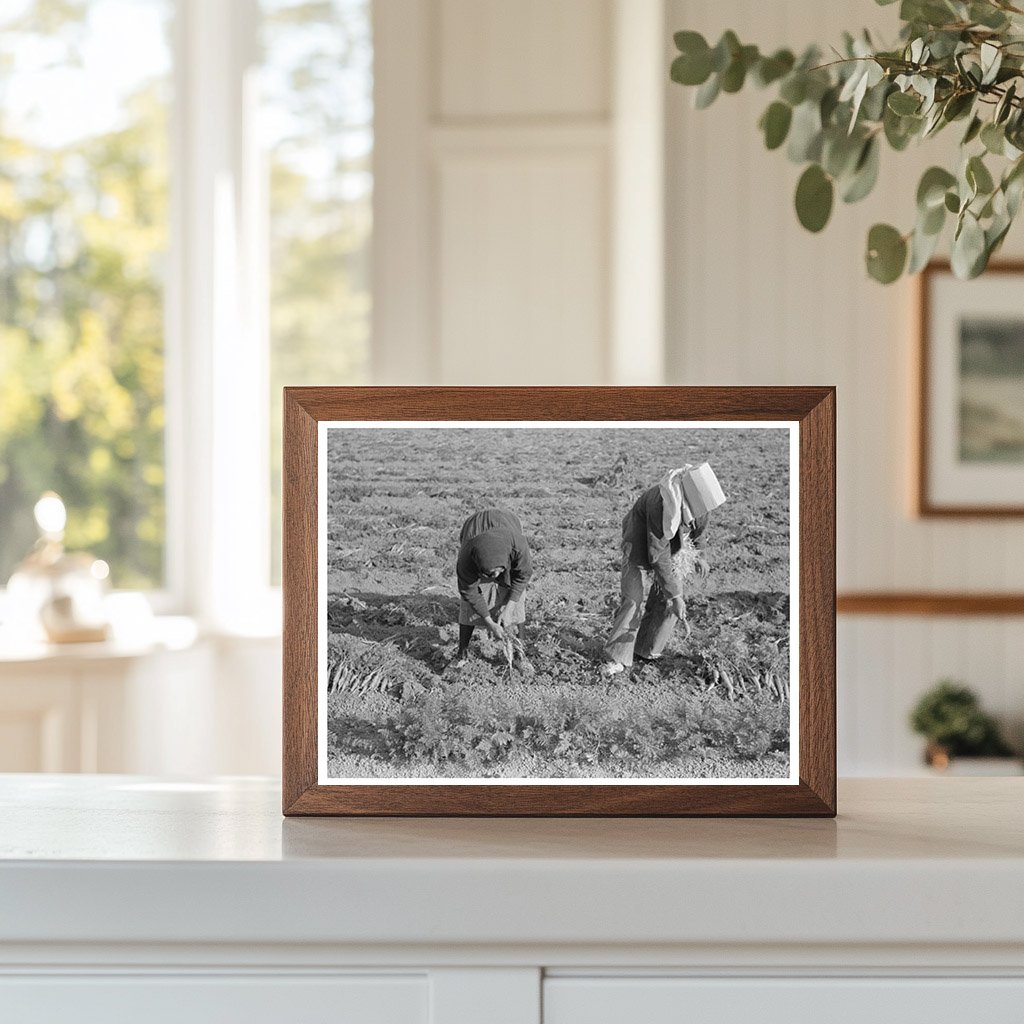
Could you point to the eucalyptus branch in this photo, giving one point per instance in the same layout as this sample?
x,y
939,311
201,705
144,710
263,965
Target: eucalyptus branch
x,y
954,60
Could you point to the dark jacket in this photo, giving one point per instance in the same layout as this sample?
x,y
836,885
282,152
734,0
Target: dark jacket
x,y
488,539
642,529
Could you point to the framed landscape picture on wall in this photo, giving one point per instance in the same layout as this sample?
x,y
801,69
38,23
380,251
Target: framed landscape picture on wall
x,y
559,601
970,451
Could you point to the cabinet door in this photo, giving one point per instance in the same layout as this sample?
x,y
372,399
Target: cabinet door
x,y
205,999
783,1001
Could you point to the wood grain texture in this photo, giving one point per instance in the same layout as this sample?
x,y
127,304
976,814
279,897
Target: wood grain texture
x,y
923,504
299,596
812,407
925,603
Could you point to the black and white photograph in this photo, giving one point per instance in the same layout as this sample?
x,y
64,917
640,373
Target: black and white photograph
x,y
573,601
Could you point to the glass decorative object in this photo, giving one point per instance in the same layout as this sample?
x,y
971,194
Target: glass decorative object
x,y
54,594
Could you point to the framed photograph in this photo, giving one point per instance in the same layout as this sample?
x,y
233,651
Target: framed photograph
x,y
970,450
559,601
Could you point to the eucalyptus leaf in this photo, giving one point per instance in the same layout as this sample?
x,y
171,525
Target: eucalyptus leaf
x,y
931,190
978,176
805,133
968,254
794,88
991,60
1005,105
814,196
707,93
840,152
987,15
886,253
873,107
931,221
735,74
958,105
903,103
973,130
865,173
771,69
955,60
900,130
922,247
993,138
689,69
775,124
724,51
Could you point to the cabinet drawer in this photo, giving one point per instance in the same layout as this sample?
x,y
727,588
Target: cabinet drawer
x,y
782,1001
205,999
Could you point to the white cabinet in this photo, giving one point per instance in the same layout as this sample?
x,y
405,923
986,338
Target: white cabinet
x,y
127,899
828,1000
202,999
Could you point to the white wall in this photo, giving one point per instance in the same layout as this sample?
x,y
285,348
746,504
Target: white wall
x,y
506,141
754,299
518,240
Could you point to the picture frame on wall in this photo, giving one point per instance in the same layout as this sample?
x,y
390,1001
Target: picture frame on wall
x,y
559,601
970,417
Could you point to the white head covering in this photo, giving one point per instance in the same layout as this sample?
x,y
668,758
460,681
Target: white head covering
x,y
675,511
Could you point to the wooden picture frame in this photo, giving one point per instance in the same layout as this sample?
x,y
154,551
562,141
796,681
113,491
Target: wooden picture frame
x,y
948,485
809,415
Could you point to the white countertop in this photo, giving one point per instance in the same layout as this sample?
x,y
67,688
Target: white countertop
x,y
123,859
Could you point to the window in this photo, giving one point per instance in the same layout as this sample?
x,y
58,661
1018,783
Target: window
x,y
83,236
167,264
317,116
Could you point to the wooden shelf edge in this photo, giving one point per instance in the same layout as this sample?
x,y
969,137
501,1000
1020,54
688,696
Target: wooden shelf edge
x,y
928,603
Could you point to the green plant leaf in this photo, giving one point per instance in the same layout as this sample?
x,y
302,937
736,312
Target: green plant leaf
x,y
904,103
958,106
931,221
771,69
991,57
693,65
952,202
968,256
973,130
794,88
707,93
922,247
900,130
805,133
735,74
931,191
725,49
1005,105
987,15
814,195
978,176
839,151
865,173
886,254
993,138
775,124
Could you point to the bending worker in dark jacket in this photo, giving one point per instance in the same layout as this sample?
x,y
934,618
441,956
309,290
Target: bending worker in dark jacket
x,y
652,533
493,570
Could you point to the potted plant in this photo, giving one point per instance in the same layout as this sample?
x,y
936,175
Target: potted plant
x,y
956,62
950,718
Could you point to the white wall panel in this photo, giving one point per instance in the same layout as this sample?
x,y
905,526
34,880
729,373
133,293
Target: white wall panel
x,y
520,287
528,58
754,299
